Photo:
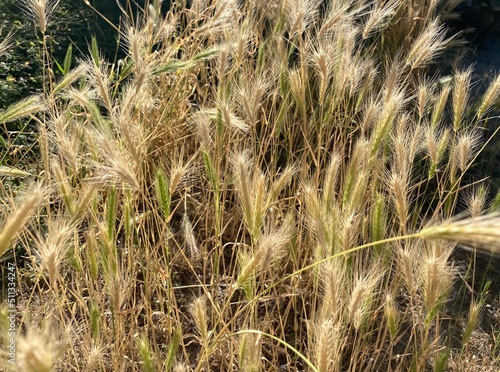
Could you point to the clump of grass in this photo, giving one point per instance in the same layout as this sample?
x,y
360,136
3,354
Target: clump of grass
x,y
258,184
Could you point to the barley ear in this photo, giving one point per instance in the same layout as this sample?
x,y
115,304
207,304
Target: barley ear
x,y
16,220
481,233
25,107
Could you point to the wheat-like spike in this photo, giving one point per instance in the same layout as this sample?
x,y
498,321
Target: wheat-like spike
x,y
14,222
300,14
25,107
465,149
379,17
427,45
435,275
490,98
198,311
461,96
6,43
40,12
52,248
40,348
481,233
476,200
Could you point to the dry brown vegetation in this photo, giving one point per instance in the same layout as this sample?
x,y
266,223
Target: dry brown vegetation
x,y
266,185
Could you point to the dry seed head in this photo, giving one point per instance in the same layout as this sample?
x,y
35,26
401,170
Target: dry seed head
x,y
189,236
53,247
379,17
331,178
476,233
325,344
427,45
199,6
181,174
350,228
180,367
461,93
66,139
6,43
117,287
391,314
332,279
242,166
135,41
386,120
133,137
99,79
439,106
490,98
24,107
393,78
337,15
407,142
198,311
356,181
40,12
231,120
128,101
371,112
69,78
472,320
283,180
93,356
398,185
465,149
80,96
362,292
406,259
203,128
225,18
298,87
314,218
435,274
436,143
242,42
347,67
300,14
360,71
250,352
271,248
120,163
252,188
425,91
321,61
475,200
14,222
249,96
39,350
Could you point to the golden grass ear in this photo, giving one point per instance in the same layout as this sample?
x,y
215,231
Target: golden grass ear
x,y
15,221
6,43
481,233
40,12
53,247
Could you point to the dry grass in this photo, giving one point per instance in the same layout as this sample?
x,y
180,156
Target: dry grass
x,y
251,190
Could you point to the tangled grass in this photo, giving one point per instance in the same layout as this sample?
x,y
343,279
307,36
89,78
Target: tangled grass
x,y
257,186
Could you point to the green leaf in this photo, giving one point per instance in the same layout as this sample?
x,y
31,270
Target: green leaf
x,y
94,50
59,67
67,59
